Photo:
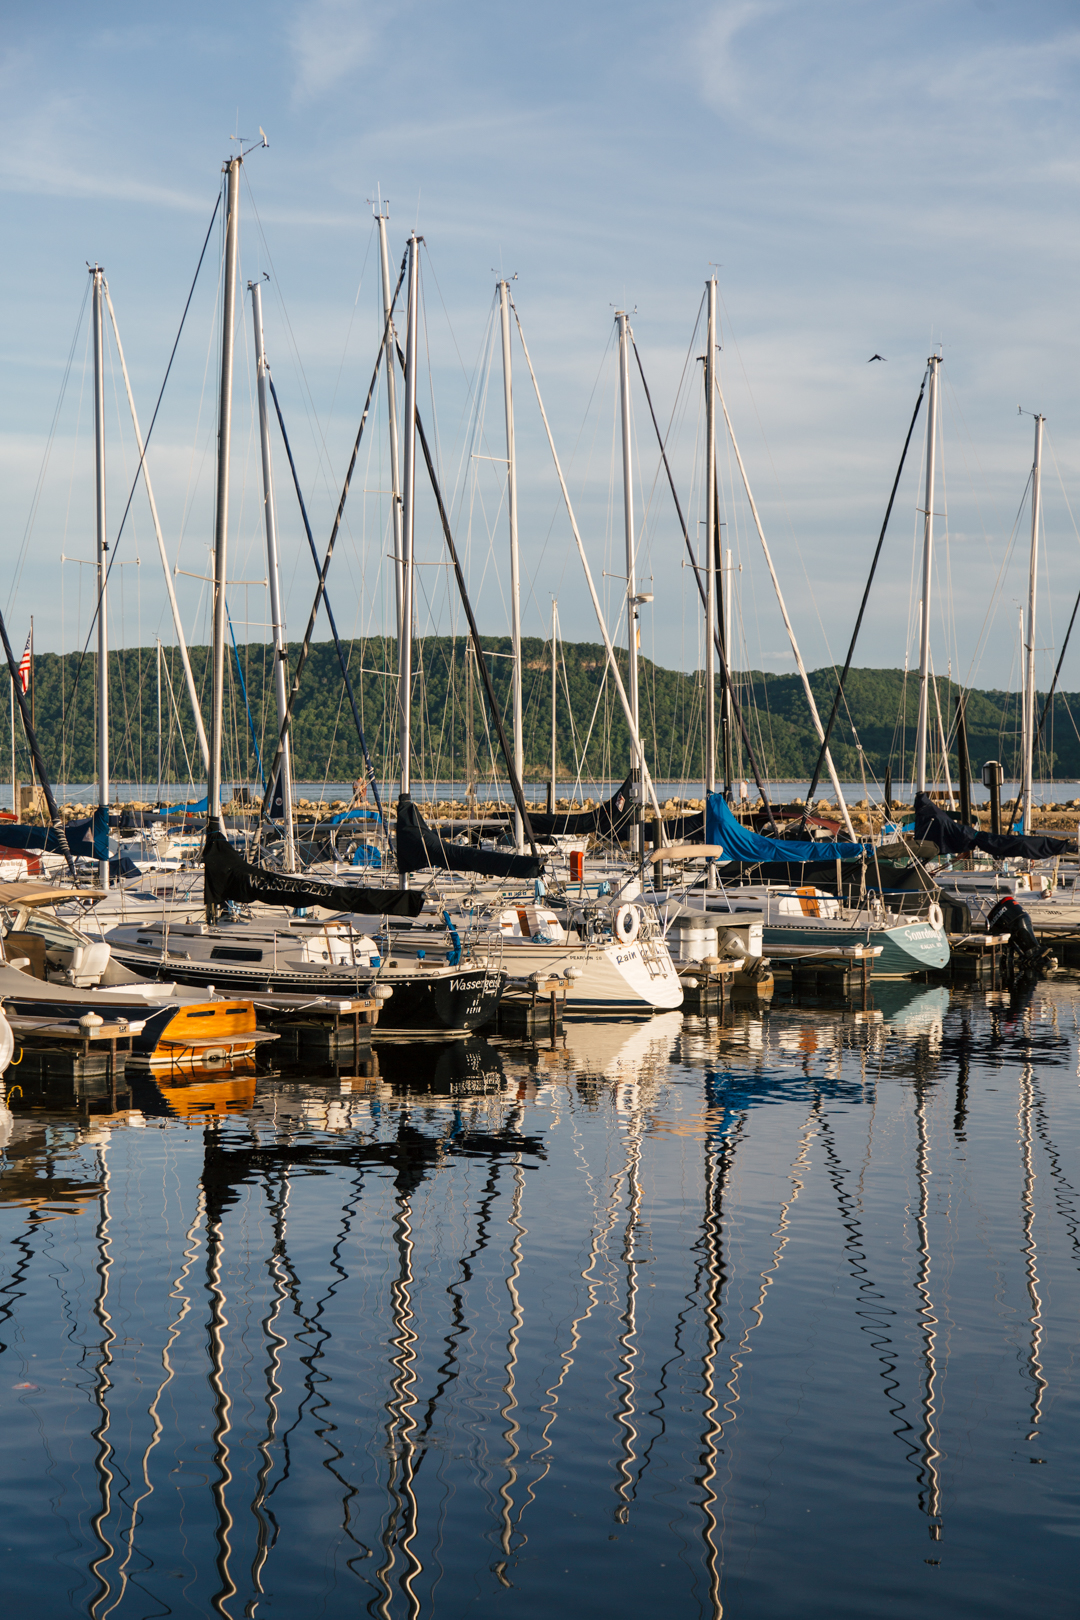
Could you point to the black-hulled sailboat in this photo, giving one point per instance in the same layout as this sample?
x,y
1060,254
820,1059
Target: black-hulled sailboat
x,y
421,984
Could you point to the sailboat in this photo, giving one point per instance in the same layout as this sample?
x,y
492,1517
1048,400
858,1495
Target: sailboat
x,y
608,947
444,989
981,889
798,915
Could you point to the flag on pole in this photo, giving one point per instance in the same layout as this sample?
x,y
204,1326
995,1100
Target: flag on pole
x,y
24,663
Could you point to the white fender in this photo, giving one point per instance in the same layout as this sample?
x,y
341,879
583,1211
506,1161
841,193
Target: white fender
x,y
625,924
934,916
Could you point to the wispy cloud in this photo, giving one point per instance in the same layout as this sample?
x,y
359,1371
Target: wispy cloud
x,y
330,39
855,80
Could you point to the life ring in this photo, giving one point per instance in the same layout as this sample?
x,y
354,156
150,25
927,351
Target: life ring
x,y
934,916
626,924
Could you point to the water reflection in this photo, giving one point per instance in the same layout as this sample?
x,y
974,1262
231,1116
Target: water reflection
x,y
930,1496
598,1326
1031,1253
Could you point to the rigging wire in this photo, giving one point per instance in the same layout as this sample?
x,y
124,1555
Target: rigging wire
x,y
146,445
712,630
40,485
866,594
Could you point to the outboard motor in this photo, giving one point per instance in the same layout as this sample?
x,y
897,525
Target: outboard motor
x,y
1025,952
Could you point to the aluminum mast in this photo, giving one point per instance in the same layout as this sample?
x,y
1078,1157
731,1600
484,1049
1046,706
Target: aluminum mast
x,y
408,528
710,550
391,407
221,515
554,695
637,834
726,598
102,568
927,573
277,616
515,561
1029,683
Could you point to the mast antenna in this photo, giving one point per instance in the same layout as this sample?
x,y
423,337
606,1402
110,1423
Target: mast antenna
x,y
255,144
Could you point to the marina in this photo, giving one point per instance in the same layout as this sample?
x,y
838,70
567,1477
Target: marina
x,y
540,831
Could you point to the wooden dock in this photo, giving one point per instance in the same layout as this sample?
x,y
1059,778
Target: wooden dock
x,y
531,1008
976,956
318,1029
826,969
90,1057
708,983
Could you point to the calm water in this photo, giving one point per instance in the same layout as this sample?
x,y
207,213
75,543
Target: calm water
x,y
773,1319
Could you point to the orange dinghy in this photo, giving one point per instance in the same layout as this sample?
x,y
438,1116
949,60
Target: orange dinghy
x,y
205,1035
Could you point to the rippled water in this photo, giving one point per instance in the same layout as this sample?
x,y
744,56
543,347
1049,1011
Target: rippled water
x,y
773,1319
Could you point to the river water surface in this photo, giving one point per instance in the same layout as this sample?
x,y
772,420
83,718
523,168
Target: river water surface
x,y
777,1318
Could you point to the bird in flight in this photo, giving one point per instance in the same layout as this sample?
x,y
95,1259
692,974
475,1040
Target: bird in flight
x,y
874,357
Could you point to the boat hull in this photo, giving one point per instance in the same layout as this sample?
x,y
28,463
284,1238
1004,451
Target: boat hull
x,y
636,978
459,999
174,1035
466,1000
906,948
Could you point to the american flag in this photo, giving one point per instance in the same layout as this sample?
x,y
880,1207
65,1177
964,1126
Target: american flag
x,y
24,663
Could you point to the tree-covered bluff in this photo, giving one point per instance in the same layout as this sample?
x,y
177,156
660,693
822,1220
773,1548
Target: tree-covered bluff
x,y
591,734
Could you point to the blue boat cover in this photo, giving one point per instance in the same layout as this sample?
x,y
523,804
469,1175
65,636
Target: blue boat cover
x,y
741,843
359,814
87,838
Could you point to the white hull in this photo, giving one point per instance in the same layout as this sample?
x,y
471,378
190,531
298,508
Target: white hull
x,y
614,978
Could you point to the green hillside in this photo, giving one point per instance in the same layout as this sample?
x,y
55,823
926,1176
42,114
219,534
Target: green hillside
x,y
591,731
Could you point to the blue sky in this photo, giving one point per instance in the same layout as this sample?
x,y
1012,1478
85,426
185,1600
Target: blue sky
x,y
866,179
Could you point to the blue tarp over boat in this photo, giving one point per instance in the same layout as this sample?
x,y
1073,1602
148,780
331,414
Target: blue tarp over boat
x,y
741,843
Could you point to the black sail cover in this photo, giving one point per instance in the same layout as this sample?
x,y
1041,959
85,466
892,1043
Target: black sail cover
x,y
228,877
612,818
952,838
420,846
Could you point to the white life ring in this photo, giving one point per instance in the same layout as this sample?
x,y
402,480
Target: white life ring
x,y
626,924
934,916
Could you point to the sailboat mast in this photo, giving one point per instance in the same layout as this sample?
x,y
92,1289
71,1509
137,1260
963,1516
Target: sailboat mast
x,y
710,551
727,595
470,734
221,515
554,693
381,219
927,570
158,649
277,616
102,566
631,580
1029,684
515,561
408,528
811,702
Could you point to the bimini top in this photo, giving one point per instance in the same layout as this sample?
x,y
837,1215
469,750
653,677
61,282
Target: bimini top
x,y
43,894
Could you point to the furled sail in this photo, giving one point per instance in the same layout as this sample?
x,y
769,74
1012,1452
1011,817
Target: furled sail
x,y
228,877
611,819
420,846
953,838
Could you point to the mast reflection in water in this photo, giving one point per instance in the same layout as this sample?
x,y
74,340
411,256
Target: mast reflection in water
x,y
675,1317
